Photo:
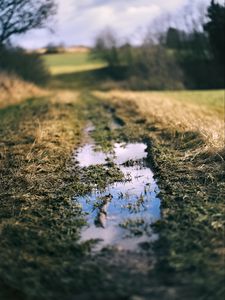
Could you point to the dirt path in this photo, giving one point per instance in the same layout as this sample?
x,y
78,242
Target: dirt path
x,y
49,167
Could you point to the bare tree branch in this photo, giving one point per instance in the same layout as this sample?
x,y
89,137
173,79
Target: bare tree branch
x,y
19,16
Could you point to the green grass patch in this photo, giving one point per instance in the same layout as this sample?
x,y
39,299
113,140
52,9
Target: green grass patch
x,y
212,99
71,63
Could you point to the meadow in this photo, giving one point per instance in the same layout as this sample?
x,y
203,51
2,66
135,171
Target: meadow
x,y
197,111
71,63
41,255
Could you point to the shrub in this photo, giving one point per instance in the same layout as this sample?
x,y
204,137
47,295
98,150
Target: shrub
x,y
155,68
29,67
149,66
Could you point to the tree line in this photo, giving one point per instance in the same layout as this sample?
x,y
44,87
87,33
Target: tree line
x,y
188,55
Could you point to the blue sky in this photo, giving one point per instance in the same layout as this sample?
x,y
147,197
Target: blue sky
x,y
79,21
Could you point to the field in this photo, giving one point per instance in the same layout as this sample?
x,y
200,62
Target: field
x,y
71,63
41,256
195,111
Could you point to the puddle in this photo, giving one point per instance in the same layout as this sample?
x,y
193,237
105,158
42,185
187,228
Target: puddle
x,y
121,215
87,156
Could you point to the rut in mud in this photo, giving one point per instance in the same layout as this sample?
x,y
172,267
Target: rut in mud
x,y
120,214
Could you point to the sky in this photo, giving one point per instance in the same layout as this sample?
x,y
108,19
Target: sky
x,y
79,21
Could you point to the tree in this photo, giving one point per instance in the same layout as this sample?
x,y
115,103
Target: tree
x,y
19,16
173,38
106,47
215,27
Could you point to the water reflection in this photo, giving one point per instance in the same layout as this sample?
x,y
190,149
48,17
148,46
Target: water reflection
x,y
121,214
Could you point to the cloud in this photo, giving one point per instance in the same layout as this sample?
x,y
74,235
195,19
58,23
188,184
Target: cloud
x,y
78,22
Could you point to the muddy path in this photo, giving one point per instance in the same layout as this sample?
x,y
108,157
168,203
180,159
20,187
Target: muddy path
x,y
100,202
152,242
119,206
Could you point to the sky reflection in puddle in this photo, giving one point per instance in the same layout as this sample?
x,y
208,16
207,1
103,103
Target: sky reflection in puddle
x,y
121,214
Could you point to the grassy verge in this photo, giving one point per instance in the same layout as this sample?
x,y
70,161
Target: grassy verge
x,y
39,222
14,90
200,112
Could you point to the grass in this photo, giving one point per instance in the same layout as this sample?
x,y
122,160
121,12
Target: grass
x,y
200,112
211,99
71,63
189,167
37,137
14,90
40,255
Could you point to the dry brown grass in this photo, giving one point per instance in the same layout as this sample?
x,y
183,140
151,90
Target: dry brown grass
x,y
167,111
14,90
65,96
37,137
